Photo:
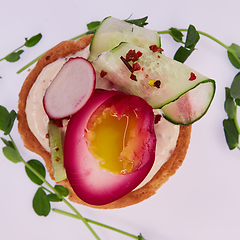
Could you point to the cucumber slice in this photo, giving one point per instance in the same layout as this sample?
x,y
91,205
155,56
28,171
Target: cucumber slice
x,y
113,31
174,77
55,142
192,105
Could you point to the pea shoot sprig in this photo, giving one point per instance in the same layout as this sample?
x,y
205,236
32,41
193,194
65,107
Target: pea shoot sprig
x,y
15,54
46,193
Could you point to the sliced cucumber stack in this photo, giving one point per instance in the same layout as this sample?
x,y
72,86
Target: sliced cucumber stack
x,y
159,80
113,31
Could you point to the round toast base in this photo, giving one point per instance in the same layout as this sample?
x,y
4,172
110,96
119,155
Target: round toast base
x,y
176,159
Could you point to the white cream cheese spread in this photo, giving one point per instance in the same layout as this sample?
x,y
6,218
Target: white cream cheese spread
x,y
166,132
36,115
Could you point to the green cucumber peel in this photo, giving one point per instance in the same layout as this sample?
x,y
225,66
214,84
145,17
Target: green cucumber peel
x,y
192,120
195,86
46,193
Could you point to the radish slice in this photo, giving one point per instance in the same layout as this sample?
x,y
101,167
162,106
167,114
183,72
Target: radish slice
x,y
98,171
70,89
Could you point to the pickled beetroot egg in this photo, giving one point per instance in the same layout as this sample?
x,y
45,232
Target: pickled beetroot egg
x,y
109,146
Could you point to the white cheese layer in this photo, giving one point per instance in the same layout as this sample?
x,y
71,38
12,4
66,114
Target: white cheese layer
x,y
36,115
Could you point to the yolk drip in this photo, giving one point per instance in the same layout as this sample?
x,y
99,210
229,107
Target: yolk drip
x,y
107,138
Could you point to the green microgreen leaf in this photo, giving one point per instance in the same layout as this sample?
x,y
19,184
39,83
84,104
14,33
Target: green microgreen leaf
x,y
234,58
41,204
237,101
141,22
62,190
33,40
192,37
235,87
10,121
229,105
176,34
14,56
52,197
140,237
3,118
7,143
38,166
93,26
182,54
11,154
231,133
6,120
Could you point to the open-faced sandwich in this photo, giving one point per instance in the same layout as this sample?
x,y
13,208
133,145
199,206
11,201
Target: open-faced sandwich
x,y
110,114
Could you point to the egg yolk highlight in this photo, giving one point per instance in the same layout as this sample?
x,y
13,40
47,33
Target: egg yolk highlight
x,y
108,139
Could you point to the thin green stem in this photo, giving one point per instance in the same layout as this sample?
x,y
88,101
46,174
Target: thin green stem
x,y
200,32
81,217
54,190
77,37
96,223
236,122
29,64
37,58
208,36
49,191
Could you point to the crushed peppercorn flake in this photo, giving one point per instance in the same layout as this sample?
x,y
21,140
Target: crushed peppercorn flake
x,y
157,118
136,67
133,56
103,74
133,77
155,48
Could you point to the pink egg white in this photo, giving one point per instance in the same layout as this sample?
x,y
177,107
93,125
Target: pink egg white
x,y
109,146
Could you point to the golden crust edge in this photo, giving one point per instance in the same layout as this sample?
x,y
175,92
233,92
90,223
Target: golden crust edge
x,y
64,49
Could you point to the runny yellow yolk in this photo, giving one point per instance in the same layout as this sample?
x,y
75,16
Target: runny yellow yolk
x,y
108,137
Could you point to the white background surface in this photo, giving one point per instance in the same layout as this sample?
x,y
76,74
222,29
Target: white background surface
x,y
202,200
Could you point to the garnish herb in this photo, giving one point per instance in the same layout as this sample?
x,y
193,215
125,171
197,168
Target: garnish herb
x,y
35,170
15,55
141,22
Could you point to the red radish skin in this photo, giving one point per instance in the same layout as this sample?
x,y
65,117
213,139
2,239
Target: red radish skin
x,y
91,183
70,89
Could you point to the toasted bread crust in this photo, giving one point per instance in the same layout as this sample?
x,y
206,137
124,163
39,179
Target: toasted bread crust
x,y
64,49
